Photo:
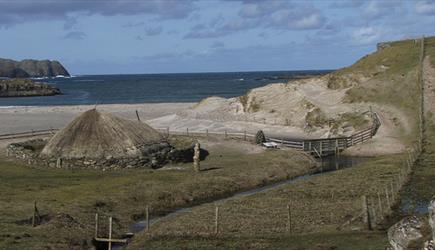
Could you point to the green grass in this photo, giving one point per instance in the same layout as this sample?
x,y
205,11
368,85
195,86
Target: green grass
x,y
124,194
430,48
338,241
319,206
394,85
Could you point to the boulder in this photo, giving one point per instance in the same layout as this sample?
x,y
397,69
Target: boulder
x,y
409,233
431,210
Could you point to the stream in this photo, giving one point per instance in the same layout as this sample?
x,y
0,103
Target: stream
x,y
329,164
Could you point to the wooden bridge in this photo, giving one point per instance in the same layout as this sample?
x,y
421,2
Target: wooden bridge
x,y
328,146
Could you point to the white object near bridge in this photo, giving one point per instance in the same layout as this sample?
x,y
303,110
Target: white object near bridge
x,y
270,144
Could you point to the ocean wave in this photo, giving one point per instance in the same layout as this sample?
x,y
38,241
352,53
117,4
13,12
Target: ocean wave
x,y
89,80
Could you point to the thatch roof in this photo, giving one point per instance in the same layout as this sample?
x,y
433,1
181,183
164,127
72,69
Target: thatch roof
x,y
96,135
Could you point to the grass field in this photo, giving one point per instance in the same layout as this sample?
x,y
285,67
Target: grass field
x,y
320,205
71,198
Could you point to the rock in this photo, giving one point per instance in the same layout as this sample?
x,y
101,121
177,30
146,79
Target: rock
x,y
431,210
408,233
25,87
31,68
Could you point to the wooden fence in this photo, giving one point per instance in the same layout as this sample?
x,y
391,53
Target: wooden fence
x,y
318,147
26,134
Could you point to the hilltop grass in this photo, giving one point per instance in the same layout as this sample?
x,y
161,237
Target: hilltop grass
x,y
319,206
430,49
124,194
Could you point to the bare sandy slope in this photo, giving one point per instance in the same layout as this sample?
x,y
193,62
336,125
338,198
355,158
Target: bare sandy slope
x,y
282,110
18,119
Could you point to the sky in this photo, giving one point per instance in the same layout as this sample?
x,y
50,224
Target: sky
x,y
173,36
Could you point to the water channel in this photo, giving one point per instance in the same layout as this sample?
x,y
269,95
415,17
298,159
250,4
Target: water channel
x,y
327,165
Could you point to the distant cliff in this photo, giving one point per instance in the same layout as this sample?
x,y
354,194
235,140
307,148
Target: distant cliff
x,y
25,87
31,68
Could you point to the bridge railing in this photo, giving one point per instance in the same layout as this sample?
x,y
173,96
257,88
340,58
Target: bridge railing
x,y
330,145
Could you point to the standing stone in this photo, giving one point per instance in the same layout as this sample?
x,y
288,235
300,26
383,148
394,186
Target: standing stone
x,y
196,159
59,163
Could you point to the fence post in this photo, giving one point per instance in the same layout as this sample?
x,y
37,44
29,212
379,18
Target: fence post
x,y
364,209
392,193
137,115
381,211
373,219
147,217
35,213
216,225
206,132
110,234
96,225
388,198
244,135
289,218
167,129
225,134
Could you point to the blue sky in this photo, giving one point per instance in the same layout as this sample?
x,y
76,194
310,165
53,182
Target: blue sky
x,y
162,36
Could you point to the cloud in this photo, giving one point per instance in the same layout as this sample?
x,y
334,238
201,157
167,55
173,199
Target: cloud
x,y
340,4
217,45
19,11
425,7
301,20
280,15
75,35
380,9
70,22
366,35
132,25
153,31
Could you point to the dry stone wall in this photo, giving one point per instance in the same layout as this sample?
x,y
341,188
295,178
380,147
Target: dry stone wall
x,y
154,156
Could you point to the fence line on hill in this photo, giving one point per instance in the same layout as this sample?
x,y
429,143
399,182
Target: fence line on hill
x,y
31,133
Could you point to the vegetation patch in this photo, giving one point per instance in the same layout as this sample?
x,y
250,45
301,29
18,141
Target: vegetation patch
x,y
320,207
316,118
125,194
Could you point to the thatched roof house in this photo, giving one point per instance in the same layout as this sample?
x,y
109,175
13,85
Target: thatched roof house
x,y
95,135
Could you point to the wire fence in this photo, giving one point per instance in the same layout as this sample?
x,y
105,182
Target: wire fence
x,y
305,212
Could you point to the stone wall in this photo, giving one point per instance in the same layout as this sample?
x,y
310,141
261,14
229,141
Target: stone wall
x,y
154,156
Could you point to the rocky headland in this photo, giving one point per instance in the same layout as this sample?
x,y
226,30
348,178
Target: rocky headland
x,y
31,68
25,87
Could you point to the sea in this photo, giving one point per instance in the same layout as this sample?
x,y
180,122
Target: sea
x,y
153,88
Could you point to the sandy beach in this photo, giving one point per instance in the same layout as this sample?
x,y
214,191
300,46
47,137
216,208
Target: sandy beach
x,y
22,119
